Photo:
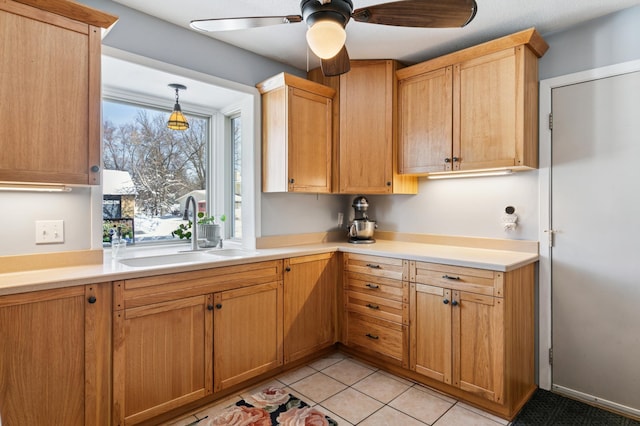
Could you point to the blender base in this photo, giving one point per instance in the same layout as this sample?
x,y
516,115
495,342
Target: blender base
x,y
357,241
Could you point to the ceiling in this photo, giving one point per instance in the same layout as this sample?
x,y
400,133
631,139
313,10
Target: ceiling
x,y
286,43
148,82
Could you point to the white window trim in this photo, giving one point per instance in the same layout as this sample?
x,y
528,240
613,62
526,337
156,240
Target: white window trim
x,y
249,108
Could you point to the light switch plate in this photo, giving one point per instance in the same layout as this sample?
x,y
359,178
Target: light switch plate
x,y
49,231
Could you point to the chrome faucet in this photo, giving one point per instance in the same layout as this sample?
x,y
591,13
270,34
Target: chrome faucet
x,y
194,226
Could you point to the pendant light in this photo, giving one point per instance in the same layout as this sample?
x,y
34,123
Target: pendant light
x,y
177,121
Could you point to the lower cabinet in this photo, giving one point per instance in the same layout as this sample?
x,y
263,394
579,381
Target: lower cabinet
x,y
309,304
376,309
458,340
472,330
181,337
162,357
55,358
247,333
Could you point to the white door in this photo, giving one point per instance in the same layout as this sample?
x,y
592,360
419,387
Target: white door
x,y
595,259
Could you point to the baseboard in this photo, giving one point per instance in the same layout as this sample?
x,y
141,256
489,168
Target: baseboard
x,y
597,402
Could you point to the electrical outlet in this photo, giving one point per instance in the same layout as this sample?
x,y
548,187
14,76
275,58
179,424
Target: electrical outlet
x,y
49,231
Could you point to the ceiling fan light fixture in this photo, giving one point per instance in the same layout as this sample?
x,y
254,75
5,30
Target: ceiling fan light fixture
x,y
177,120
326,38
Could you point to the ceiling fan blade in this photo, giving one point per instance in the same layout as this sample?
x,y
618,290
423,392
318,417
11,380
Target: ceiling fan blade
x,y
419,13
337,65
228,24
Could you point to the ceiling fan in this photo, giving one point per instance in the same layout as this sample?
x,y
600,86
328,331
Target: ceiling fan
x,y
327,19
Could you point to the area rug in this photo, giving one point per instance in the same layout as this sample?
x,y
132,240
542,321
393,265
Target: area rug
x,y
269,407
547,408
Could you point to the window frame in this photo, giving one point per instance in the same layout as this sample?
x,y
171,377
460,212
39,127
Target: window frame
x,y
248,105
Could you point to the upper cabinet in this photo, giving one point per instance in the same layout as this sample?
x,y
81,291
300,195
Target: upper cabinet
x,y
365,153
368,130
472,110
297,135
50,83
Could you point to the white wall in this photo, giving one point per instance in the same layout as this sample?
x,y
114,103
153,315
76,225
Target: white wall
x,y
19,211
467,207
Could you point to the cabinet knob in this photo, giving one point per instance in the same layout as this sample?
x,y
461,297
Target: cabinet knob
x,y
288,269
95,168
372,336
219,306
388,183
292,180
449,277
454,303
447,160
372,266
370,306
456,159
91,299
210,307
374,286
445,301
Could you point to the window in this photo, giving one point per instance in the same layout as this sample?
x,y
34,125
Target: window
x,y
150,170
220,112
236,176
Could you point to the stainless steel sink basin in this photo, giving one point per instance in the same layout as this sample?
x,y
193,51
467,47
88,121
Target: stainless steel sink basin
x,y
167,259
232,252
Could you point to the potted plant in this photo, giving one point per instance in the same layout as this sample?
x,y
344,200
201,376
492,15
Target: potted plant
x,y
208,230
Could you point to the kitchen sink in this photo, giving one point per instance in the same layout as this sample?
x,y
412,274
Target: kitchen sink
x,y
185,257
167,259
232,252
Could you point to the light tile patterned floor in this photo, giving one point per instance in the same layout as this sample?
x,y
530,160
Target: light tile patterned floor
x,y
354,393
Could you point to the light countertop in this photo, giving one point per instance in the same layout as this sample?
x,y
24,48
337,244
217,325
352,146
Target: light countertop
x,y
113,269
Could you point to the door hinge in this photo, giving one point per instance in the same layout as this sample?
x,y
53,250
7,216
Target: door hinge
x,y
550,232
550,356
551,121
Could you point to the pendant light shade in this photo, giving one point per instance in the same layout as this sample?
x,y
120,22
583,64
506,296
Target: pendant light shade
x,y
177,120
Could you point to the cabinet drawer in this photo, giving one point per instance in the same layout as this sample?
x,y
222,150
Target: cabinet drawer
x,y
473,280
376,335
377,286
162,288
377,307
379,266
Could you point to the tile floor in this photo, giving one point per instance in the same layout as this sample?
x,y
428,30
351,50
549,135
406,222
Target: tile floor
x,y
354,393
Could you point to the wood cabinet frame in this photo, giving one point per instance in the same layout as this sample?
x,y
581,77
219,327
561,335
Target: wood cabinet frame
x,y
492,98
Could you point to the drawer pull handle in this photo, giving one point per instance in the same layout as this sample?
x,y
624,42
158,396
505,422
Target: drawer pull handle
x,y
369,305
372,336
454,303
371,265
445,301
372,285
448,277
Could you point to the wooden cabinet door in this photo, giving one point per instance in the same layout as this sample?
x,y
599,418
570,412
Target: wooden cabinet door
x,y
297,135
486,111
478,345
162,357
51,97
247,333
425,121
309,304
55,362
367,127
431,332
310,136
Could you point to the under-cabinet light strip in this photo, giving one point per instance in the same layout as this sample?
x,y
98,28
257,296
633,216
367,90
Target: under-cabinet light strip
x,y
30,187
454,175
